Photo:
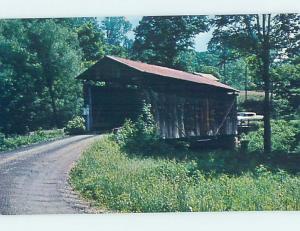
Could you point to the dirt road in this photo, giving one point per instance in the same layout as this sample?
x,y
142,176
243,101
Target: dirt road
x,y
34,180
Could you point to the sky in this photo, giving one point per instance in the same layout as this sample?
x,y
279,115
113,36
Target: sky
x,y
201,40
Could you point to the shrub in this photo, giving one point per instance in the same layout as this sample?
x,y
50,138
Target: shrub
x,y
125,135
140,136
12,142
282,108
283,137
75,126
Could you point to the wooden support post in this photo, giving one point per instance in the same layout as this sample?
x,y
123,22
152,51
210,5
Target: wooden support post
x,y
175,117
197,118
207,116
181,117
90,109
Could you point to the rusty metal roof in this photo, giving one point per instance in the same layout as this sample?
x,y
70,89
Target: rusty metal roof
x,y
169,73
209,76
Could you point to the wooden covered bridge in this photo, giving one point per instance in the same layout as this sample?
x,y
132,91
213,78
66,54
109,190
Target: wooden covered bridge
x,y
184,105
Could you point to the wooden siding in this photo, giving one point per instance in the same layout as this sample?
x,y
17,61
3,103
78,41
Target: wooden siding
x,y
178,116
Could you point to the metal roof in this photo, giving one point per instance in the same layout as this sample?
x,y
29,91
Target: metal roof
x,y
170,73
209,76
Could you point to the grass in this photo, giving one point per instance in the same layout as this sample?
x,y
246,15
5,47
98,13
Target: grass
x,y
13,142
212,181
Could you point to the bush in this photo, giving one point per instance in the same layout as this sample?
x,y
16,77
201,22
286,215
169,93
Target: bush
x,y
283,137
126,134
140,136
13,142
282,108
75,126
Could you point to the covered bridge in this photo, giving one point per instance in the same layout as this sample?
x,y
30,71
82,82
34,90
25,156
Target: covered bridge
x,y
183,104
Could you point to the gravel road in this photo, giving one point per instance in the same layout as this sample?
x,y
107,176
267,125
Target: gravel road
x,y
34,180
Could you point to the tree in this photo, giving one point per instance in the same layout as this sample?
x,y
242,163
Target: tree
x,y
90,36
20,79
219,46
59,57
39,60
117,41
209,62
159,40
268,38
91,41
225,56
286,89
115,29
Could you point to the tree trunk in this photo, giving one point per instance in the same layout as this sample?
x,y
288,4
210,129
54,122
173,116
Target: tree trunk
x,y
267,86
267,112
246,83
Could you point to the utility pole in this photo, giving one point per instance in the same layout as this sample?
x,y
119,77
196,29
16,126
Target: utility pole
x,y
246,83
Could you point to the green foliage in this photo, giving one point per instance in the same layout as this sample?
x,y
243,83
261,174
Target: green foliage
x,y
140,136
245,33
286,87
187,61
296,124
13,142
231,71
231,63
267,38
118,51
126,134
20,78
283,137
116,29
75,126
159,40
39,61
58,53
117,182
91,41
208,62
